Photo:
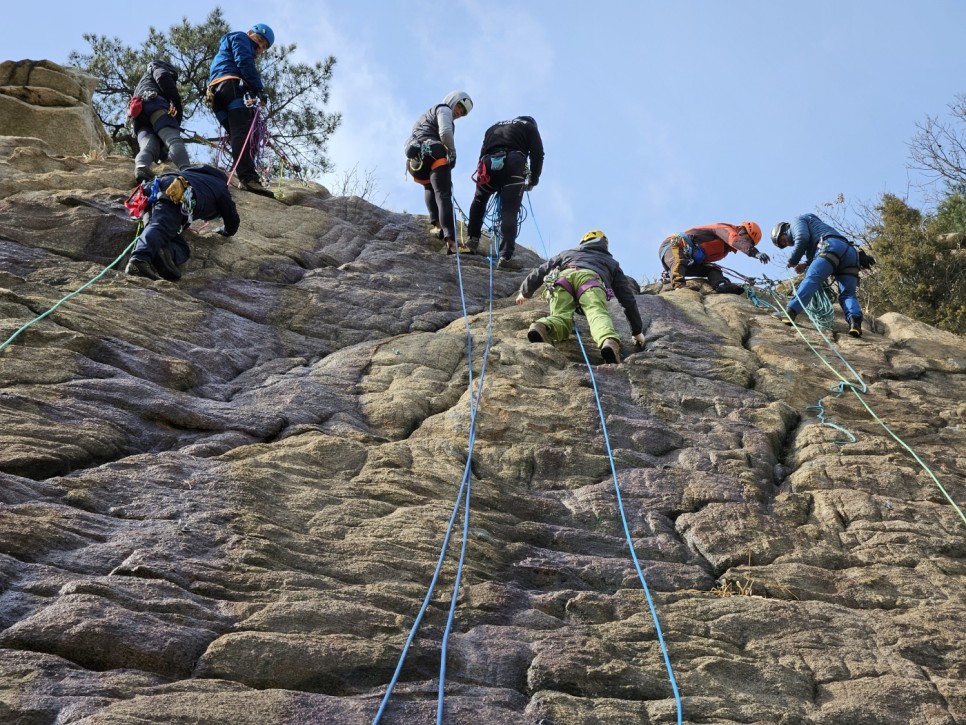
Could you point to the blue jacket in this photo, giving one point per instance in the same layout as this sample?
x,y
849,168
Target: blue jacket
x,y
806,232
236,57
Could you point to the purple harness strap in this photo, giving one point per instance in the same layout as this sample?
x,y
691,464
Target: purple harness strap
x,y
595,282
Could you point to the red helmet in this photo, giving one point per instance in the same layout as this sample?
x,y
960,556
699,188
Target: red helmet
x,y
754,231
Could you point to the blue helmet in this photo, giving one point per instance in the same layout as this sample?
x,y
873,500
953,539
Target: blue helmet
x,y
265,32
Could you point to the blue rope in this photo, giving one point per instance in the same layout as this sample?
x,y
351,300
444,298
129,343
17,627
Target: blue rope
x,y
546,249
627,532
75,292
463,494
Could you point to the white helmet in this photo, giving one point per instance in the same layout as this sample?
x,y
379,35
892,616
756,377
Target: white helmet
x,y
460,97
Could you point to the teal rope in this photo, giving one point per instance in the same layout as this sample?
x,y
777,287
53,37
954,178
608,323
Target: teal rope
x,y
856,391
77,291
627,533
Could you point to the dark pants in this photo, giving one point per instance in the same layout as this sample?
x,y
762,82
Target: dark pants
x,y
509,182
436,178
236,119
163,230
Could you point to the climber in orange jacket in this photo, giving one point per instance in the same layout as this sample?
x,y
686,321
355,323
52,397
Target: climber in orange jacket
x,y
691,253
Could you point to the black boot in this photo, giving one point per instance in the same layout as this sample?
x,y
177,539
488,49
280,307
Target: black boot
x,y
855,326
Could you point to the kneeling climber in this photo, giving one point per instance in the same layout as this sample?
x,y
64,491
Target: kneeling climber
x,y
176,199
827,252
691,253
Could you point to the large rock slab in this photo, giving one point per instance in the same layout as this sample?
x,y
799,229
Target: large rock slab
x,y
224,499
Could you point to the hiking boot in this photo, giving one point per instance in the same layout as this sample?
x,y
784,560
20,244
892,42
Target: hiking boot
x,y
255,186
451,246
729,288
509,265
165,266
142,174
141,268
787,319
473,244
538,332
435,231
855,326
610,350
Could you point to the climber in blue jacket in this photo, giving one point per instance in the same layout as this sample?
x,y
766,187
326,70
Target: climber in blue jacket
x,y
827,252
233,84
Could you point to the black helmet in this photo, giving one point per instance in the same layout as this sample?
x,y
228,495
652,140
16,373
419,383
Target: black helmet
x,y
778,230
526,119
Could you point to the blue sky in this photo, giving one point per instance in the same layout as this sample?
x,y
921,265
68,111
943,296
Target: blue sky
x,y
656,116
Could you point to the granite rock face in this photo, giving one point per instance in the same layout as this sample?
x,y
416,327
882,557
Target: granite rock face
x,y
42,100
223,500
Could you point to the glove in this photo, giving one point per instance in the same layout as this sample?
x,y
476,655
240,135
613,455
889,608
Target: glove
x,y
763,258
222,231
639,339
451,158
520,299
530,184
263,98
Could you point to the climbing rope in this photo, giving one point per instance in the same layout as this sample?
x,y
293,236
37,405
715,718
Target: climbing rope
x,y
856,390
462,501
627,531
77,291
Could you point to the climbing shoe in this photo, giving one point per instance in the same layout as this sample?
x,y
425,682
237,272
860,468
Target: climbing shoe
x,y
255,186
855,326
141,268
473,244
508,264
729,288
165,266
538,332
435,231
143,173
610,350
451,246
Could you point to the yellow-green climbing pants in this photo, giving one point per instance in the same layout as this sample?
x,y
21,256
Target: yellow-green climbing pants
x,y
593,302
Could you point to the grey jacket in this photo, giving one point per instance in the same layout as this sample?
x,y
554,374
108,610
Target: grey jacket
x,y
595,257
435,125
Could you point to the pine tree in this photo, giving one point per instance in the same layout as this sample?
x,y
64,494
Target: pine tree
x,y
298,92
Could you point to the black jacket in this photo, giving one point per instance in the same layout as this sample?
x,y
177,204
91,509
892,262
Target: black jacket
x,y
595,257
161,79
212,197
519,134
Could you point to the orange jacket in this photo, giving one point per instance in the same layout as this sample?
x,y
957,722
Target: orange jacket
x,y
719,240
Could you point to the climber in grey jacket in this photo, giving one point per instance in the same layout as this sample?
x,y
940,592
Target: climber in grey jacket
x,y
431,154
584,279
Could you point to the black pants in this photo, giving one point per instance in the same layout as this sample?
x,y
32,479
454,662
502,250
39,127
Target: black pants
x,y
509,182
437,186
237,121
